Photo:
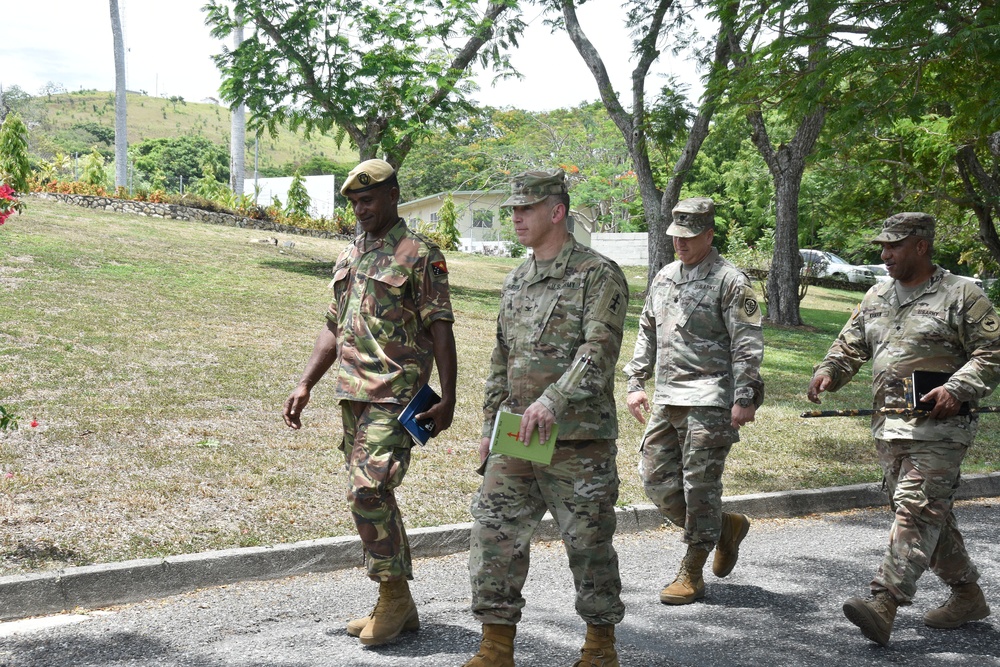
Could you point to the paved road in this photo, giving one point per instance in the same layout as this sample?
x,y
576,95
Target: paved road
x,y
781,606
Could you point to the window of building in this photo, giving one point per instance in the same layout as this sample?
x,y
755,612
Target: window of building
x,y
482,218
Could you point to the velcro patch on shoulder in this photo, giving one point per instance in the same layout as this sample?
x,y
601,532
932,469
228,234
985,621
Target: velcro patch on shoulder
x,y
749,311
439,268
979,309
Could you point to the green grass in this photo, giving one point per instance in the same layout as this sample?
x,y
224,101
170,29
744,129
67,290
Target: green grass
x,y
156,355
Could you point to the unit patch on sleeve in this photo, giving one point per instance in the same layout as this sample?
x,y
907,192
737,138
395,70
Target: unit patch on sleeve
x,y
614,302
439,268
750,309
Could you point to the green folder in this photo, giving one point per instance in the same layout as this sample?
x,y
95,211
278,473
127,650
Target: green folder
x,y
504,441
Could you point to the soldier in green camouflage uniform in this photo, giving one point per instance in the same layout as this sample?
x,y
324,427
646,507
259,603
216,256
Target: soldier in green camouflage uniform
x,y
559,333
389,321
923,319
701,329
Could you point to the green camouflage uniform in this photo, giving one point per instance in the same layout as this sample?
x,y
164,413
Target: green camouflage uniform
x,y
548,319
949,326
385,297
702,333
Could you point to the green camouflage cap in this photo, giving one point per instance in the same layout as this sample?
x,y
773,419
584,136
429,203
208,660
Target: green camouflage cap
x,y
367,175
898,227
532,187
691,217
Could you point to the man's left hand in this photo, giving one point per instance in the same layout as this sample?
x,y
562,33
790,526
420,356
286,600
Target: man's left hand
x,y
741,415
536,416
441,415
945,405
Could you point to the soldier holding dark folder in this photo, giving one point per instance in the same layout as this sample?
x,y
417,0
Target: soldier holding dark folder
x,y
924,319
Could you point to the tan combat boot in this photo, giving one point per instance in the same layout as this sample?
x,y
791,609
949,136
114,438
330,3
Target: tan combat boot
x,y
394,611
727,551
497,647
689,584
874,616
967,603
355,626
598,648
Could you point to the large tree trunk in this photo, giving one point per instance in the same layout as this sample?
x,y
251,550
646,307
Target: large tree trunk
x,y
121,126
656,204
983,190
786,165
238,133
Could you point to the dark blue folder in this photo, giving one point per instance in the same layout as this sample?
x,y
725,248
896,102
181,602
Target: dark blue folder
x,y
424,429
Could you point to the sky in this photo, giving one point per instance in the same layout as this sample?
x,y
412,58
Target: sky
x,y
169,49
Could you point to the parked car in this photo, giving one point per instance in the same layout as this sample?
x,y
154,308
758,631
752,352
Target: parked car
x,y
882,275
820,264
879,271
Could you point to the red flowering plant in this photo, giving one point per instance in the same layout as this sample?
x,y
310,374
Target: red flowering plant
x,y
9,202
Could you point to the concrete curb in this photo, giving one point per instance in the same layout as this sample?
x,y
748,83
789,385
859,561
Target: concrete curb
x,y
95,586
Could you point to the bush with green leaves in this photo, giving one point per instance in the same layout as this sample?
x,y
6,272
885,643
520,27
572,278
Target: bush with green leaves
x,y
447,229
15,168
94,172
298,201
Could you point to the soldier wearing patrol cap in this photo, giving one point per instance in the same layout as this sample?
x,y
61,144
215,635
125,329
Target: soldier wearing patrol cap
x,y
390,302
559,333
700,331
923,319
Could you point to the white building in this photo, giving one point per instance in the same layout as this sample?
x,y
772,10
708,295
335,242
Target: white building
x,y
478,217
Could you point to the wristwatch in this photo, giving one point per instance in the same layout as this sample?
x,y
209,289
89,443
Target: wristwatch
x,y
744,402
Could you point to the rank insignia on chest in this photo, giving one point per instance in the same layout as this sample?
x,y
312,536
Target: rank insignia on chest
x,y
439,268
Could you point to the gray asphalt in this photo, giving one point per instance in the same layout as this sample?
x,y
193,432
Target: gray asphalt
x,y
780,606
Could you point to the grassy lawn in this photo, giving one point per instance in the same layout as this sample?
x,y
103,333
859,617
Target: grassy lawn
x,y
156,355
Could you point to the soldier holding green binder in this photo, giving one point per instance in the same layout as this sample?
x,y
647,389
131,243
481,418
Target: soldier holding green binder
x,y
559,333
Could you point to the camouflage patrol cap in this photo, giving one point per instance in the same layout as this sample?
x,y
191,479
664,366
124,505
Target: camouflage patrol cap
x,y
532,187
898,227
691,217
367,175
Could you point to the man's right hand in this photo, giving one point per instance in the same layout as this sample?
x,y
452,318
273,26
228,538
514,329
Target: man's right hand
x,y
817,386
294,405
637,403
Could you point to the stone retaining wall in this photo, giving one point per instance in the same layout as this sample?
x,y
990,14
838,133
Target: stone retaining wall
x,y
175,212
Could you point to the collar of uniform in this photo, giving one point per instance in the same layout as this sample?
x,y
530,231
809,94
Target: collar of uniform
x,y
558,267
391,238
699,272
887,290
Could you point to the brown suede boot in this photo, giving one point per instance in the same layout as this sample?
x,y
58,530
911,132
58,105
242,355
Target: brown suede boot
x,y
874,616
966,603
355,626
727,551
394,610
689,584
598,648
496,648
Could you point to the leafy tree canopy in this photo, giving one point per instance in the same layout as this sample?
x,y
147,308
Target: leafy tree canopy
x,y
164,161
381,73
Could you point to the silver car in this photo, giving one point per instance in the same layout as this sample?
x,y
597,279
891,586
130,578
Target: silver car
x,y
820,264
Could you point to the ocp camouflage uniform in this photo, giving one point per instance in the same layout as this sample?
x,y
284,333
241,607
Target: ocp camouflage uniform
x,y
385,297
549,318
701,329
949,326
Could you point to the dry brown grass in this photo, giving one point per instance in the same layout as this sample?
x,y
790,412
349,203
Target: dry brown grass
x,y
156,356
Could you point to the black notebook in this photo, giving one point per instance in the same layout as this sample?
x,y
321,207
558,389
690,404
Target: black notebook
x,y
923,382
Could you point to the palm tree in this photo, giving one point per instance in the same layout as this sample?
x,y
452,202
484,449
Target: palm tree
x,y
121,127
238,133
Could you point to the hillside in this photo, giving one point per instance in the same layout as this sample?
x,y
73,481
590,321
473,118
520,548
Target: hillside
x,y
76,119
